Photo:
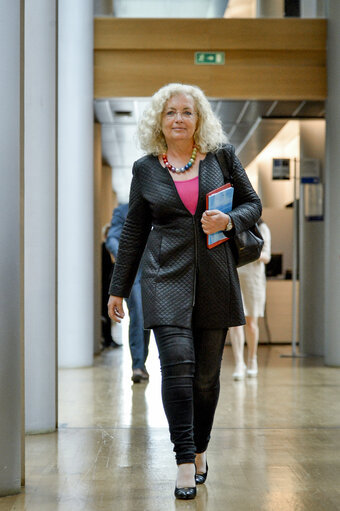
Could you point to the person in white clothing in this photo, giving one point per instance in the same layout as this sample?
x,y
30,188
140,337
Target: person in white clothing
x,y
253,286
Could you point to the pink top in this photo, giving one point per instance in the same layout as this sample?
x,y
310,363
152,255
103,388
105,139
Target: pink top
x,y
188,192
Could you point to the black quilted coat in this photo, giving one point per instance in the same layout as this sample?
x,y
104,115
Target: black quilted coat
x,y
183,282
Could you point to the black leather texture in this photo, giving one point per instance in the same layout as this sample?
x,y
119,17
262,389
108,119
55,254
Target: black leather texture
x,y
183,282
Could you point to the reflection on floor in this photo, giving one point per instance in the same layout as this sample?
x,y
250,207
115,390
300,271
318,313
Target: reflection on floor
x,y
275,445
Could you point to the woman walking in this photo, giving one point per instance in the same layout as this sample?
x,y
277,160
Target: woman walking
x,y
191,294
253,287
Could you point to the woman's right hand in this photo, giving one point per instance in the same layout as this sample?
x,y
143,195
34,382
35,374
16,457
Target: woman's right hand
x,y
115,308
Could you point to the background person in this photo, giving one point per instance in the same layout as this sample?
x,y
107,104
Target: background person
x,y
107,341
186,287
138,337
253,286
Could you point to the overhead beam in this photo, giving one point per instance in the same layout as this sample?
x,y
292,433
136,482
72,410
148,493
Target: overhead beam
x,y
264,59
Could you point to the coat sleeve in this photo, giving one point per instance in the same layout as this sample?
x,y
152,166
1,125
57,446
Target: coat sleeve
x,y
133,239
247,207
113,235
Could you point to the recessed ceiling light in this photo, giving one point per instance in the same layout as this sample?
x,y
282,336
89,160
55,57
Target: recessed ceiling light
x,y
123,113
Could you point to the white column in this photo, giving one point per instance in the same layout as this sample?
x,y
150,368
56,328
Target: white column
x,y
332,190
11,248
75,184
40,215
308,8
312,8
311,241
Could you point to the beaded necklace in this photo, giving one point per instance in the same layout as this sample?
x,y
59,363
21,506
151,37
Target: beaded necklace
x,y
182,169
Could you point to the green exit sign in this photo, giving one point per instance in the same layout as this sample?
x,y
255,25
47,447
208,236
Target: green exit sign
x,y
216,58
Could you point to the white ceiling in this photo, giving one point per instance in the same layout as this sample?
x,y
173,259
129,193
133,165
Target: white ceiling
x,y
169,8
249,125
161,8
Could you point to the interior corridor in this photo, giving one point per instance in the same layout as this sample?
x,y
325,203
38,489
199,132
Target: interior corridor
x,y
275,445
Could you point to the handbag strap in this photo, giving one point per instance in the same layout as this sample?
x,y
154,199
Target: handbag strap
x,y
224,159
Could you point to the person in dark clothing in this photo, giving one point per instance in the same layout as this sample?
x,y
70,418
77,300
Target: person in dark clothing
x,y
191,294
107,341
138,337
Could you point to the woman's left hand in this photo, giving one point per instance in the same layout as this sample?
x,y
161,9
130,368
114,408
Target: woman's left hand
x,y
214,220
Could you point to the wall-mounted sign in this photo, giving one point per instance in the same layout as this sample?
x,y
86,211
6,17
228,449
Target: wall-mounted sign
x,y
310,170
313,199
281,168
216,58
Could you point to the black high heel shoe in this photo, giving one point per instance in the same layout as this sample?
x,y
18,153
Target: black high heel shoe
x,y
201,478
185,493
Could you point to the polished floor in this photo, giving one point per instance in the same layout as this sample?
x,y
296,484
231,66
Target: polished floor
x,y
275,445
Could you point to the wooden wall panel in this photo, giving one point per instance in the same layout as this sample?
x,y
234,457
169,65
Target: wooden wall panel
x,y
209,34
97,165
108,196
103,207
265,59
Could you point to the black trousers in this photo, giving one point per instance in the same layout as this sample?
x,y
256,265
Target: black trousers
x,y
190,365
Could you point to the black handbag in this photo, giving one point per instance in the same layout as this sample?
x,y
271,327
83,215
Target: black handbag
x,y
246,246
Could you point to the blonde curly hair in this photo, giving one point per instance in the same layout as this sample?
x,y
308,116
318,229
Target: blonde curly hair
x,y
209,135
